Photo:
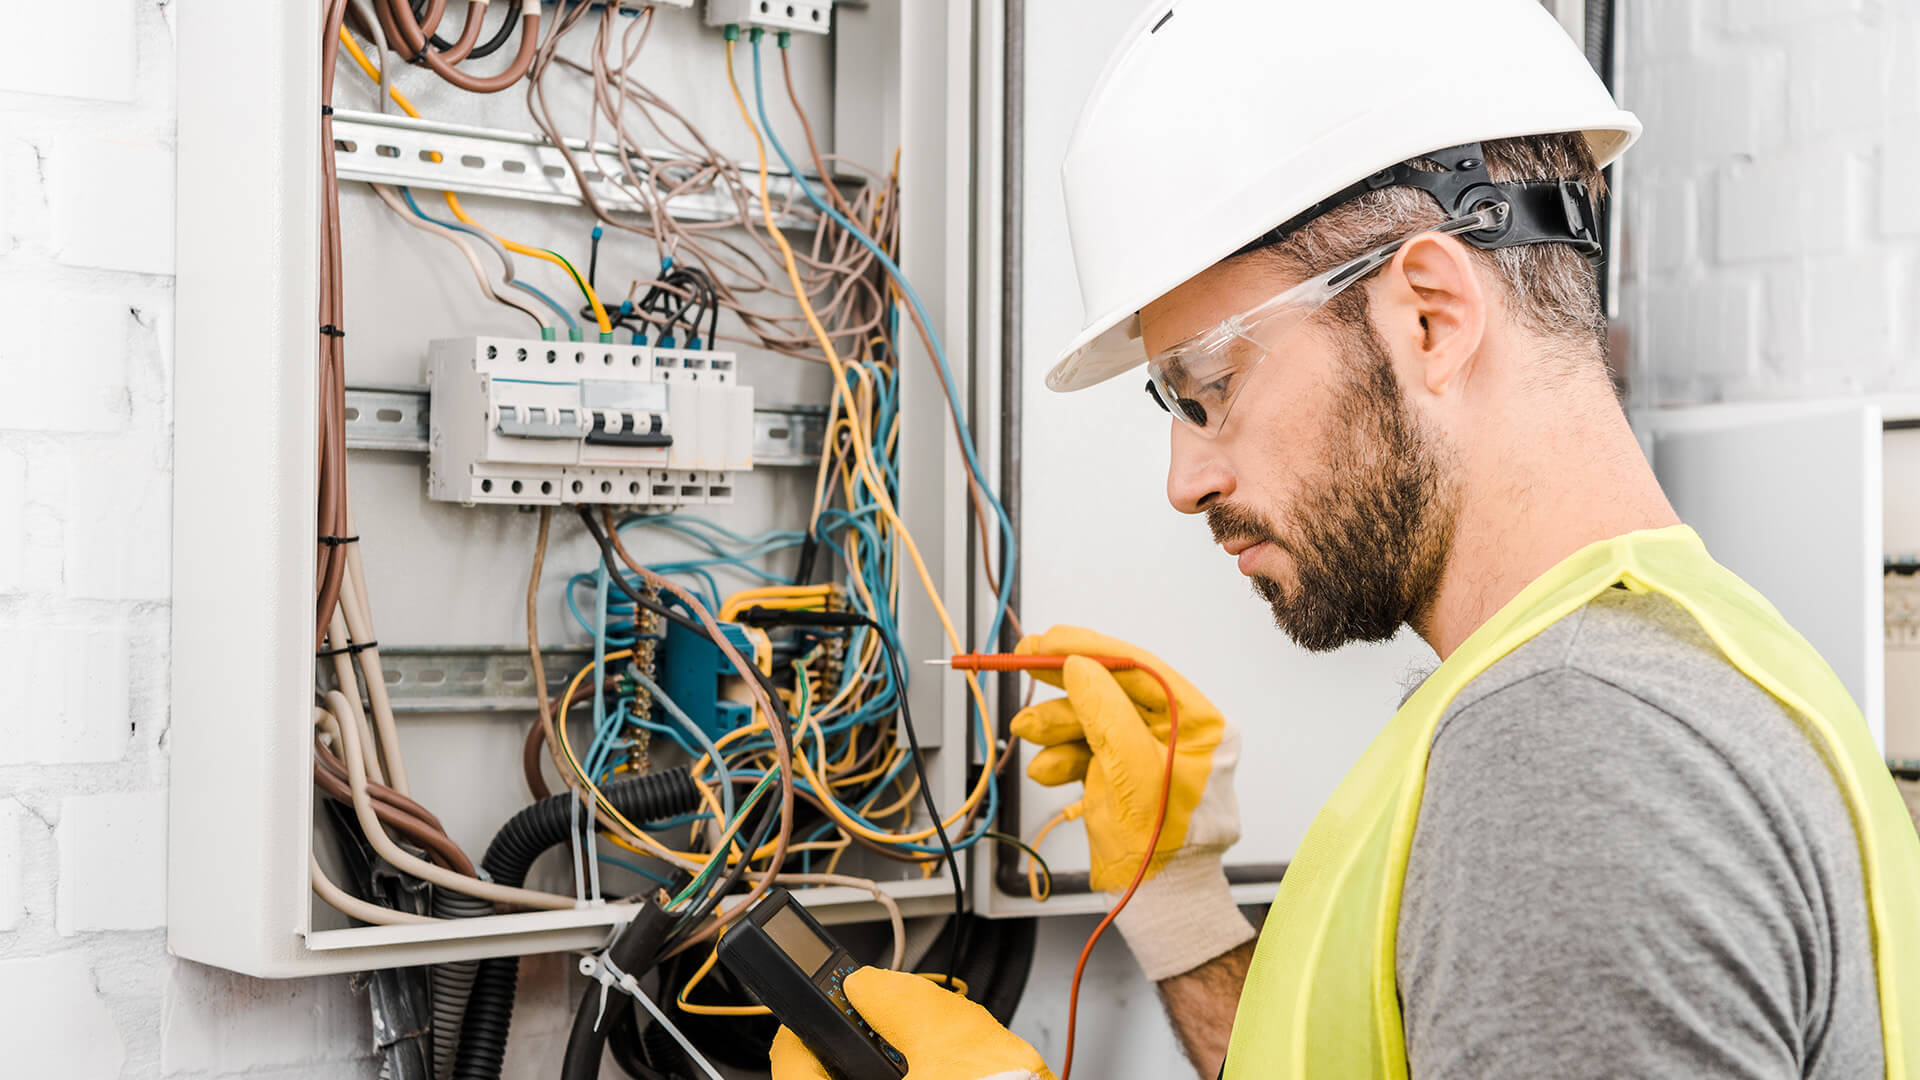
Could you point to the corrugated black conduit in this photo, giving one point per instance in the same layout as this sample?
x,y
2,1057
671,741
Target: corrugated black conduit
x,y
545,824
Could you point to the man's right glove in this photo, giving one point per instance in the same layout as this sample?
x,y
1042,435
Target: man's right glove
x,y
1110,732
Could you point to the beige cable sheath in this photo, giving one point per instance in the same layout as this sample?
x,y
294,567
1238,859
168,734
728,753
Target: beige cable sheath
x,y
407,863
358,611
348,904
343,675
399,207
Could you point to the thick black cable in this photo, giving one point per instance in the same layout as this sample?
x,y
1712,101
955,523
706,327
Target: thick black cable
x,y
525,836
759,616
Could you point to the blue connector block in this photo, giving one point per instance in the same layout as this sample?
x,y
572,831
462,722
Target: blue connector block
x,y
691,668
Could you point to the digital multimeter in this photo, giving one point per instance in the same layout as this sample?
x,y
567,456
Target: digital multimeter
x,y
787,961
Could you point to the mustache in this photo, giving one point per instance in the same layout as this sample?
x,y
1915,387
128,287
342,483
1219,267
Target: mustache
x,y
1231,522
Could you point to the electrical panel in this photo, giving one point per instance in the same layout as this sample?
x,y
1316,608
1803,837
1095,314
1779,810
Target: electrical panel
x,y
532,422
511,487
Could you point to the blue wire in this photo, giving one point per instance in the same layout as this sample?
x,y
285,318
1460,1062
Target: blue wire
x,y
641,870
1008,553
460,226
699,735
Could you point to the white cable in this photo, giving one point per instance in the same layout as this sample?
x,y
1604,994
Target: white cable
x,y
355,716
348,904
380,44
408,863
661,1018
359,615
399,207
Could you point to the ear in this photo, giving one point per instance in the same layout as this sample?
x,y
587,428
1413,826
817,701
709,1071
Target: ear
x,y
1431,308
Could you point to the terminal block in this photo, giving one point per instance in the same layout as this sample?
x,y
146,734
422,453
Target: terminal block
x,y
805,16
524,421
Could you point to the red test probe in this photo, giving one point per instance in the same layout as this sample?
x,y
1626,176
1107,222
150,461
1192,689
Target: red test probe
x,y
1012,662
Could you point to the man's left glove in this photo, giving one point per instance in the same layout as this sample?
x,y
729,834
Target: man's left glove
x,y
943,1035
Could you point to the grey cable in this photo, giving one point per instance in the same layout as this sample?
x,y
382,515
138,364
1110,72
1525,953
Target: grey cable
x,y
699,734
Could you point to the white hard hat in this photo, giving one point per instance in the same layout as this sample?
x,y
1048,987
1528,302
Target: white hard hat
x,y
1216,120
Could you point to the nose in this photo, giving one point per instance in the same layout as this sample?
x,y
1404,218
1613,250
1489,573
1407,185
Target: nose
x,y
1197,473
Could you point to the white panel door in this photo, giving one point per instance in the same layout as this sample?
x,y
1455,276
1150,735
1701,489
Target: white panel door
x,y
1789,498
1100,546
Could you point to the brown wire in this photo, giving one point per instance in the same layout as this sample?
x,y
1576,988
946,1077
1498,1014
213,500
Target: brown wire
x,y
412,37
436,842
469,32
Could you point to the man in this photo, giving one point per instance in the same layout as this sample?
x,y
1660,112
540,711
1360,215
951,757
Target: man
x,y
1631,825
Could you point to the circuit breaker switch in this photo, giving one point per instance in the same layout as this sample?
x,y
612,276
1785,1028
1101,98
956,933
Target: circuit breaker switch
x,y
512,422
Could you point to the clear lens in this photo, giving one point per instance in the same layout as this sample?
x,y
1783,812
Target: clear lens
x,y
1198,379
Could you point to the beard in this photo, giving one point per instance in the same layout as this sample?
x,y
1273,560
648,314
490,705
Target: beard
x,y
1370,541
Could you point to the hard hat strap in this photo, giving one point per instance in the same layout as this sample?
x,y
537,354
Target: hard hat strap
x,y
1543,211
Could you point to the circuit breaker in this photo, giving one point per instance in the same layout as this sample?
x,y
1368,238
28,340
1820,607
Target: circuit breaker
x,y
527,421
807,16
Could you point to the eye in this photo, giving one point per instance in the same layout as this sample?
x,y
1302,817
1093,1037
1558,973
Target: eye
x,y
1217,388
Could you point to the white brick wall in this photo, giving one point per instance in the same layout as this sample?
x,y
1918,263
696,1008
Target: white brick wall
x,y
86,373
1773,206
86,294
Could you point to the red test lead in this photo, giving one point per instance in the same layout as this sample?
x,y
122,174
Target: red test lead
x,y
1015,662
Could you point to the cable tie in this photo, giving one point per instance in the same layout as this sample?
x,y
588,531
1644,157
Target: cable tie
x,y
359,647
324,653
326,110
336,541
332,331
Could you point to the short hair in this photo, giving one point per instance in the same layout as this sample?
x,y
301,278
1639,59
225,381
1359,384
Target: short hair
x,y
1550,288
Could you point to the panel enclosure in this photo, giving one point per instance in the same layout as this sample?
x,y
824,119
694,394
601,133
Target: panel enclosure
x,y
1789,497
445,576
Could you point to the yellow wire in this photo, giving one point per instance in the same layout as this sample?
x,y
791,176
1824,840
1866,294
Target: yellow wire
x,y
1033,875
367,67
700,973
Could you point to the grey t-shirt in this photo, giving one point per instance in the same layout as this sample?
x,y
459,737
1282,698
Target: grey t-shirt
x,y
1631,861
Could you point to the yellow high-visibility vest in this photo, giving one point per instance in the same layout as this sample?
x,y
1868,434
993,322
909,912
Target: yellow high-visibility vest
x,y
1321,999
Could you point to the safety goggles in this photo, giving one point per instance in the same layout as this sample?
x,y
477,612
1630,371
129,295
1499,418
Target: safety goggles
x,y
1198,378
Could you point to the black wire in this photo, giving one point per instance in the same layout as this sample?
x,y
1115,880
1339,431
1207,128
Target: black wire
x,y
759,616
926,798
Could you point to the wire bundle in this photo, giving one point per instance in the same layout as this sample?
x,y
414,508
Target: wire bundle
x,y
826,759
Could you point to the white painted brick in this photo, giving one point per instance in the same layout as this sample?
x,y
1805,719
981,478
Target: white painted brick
x,y
1672,220
1701,108
118,525
1740,15
216,1022
113,862
13,520
1788,205
1900,187
1703,328
13,898
68,696
104,71
1666,28
63,361
56,1023
1851,300
1838,78
112,205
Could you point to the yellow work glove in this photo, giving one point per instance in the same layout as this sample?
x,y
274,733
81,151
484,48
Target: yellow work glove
x,y
1110,732
943,1035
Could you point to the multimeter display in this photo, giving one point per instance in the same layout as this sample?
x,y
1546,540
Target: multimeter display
x,y
798,940
789,963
